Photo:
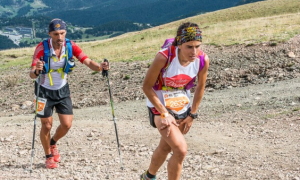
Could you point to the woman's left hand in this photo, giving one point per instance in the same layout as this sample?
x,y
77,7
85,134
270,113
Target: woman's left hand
x,y
186,123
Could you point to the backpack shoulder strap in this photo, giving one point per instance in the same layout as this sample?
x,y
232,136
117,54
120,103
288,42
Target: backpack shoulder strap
x,y
46,49
171,52
202,60
46,55
160,82
69,48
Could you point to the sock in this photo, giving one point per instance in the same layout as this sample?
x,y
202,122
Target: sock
x,y
150,175
48,156
52,142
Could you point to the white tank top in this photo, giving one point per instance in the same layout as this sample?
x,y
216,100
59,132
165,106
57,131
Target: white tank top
x,y
177,75
55,63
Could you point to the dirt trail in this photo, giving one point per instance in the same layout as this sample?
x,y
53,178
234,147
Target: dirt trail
x,y
243,133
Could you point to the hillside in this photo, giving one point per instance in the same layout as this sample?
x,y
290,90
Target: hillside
x,y
262,22
153,12
91,13
248,125
246,2
104,19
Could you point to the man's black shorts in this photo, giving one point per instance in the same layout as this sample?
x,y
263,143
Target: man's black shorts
x,y
60,99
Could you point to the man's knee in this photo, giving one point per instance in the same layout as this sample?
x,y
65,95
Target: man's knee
x,y
65,121
66,126
46,125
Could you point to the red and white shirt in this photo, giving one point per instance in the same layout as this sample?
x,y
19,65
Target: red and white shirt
x,y
56,62
176,75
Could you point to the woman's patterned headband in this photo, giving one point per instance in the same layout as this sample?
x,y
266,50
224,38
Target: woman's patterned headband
x,y
189,34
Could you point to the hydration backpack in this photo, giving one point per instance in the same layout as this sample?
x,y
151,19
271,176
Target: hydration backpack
x,y
69,54
168,43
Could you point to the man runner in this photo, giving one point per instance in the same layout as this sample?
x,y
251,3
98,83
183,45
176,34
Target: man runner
x,y
57,61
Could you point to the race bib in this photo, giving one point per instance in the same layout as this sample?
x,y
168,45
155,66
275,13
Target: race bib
x,y
177,101
41,105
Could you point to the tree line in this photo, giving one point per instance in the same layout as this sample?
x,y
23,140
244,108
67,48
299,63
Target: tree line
x,y
117,26
41,24
6,43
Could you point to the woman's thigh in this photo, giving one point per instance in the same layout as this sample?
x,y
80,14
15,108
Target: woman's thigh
x,y
176,139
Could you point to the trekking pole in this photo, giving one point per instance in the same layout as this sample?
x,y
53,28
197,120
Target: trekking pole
x,y
105,74
36,108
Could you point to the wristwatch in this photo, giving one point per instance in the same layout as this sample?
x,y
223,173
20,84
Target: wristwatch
x,y
35,73
194,116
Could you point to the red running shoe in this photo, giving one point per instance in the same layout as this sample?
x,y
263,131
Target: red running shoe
x,y
54,152
50,163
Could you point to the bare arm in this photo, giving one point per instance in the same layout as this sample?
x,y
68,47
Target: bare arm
x,y
150,80
95,66
31,73
37,64
38,67
202,75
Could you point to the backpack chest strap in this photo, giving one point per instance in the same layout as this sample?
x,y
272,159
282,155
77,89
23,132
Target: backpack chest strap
x,y
60,70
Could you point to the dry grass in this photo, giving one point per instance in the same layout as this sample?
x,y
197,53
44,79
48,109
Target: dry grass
x,y
272,20
275,28
16,57
11,81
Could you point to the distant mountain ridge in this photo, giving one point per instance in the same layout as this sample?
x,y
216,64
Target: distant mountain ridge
x,y
247,1
95,12
103,19
154,12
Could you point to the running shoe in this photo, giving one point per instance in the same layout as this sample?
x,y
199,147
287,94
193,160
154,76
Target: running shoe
x,y
144,177
50,163
54,152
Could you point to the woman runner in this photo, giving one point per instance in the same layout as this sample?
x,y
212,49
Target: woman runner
x,y
171,109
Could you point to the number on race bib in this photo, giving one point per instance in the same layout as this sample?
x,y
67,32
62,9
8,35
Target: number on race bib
x,y
177,101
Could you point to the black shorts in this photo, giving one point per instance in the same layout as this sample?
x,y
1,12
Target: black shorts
x,y
153,112
60,99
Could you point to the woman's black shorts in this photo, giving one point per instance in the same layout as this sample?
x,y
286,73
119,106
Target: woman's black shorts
x,y
153,112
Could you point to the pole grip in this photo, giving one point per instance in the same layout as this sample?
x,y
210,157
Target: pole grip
x,y
105,72
41,59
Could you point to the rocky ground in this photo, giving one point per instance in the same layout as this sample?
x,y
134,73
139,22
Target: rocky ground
x,y
248,126
234,66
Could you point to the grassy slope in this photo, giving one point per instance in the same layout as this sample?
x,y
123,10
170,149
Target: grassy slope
x,y
272,20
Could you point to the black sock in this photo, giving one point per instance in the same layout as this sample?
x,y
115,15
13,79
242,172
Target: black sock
x,y
52,142
48,156
150,175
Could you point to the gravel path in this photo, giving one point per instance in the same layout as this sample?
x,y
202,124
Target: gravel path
x,y
243,133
